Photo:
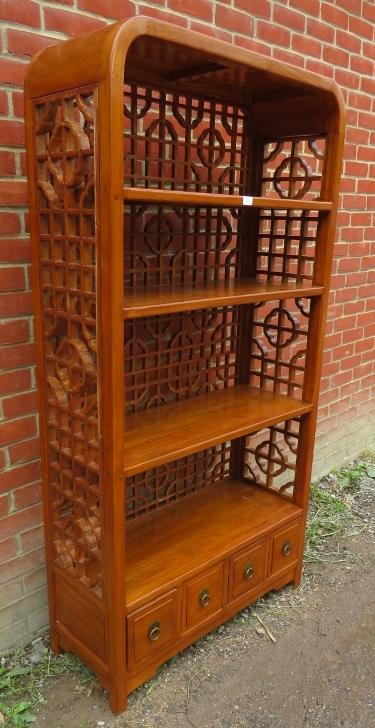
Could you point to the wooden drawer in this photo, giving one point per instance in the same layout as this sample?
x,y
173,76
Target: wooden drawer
x,y
285,546
247,569
152,628
203,596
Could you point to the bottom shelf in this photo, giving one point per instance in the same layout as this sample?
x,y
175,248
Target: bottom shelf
x,y
175,542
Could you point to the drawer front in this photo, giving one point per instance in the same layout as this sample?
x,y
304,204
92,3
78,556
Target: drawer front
x,y
247,569
152,628
285,547
203,596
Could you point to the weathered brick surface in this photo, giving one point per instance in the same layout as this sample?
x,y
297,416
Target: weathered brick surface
x,y
335,39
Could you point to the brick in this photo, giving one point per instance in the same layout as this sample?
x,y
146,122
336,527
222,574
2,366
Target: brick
x,y
306,46
18,106
27,44
25,450
235,21
333,15
17,430
12,133
38,621
12,72
30,493
23,607
345,323
12,279
35,580
361,65
18,476
8,549
289,18
252,45
211,31
15,304
335,56
273,34
202,9
10,592
22,12
13,332
4,507
347,41
311,7
32,539
17,356
360,27
288,57
319,30
12,568
368,11
20,404
20,521
162,15
15,250
4,108
9,223
15,635
16,381
7,163
368,50
259,8
113,9
70,23
322,69
345,78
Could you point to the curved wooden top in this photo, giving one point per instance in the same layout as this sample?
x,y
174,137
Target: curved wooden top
x,y
181,57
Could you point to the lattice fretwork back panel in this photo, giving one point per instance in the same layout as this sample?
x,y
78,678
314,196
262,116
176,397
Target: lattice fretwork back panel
x,y
286,245
177,356
293,168
64,128
179,142
168,483
180,245
271,455
278,347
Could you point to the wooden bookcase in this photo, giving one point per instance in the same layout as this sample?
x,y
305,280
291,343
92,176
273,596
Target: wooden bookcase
x,y
183,195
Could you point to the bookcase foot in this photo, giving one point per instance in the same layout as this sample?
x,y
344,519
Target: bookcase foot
x,y
118,699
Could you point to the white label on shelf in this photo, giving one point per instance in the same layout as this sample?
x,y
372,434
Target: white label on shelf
x,y
247,201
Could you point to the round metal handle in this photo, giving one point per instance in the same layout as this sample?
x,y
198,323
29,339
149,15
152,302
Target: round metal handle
x,y
286,548
204,598
248,571
154,631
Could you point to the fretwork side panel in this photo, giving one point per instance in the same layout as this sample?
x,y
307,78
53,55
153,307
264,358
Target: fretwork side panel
x,y
293,168
178,142
167,245
286,245
278,346
162,486
270,457
65,140
176,356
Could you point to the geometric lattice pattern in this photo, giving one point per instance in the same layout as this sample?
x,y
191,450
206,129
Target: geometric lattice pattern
x,y
292,168
278,347
178,142
168,483
270,457
172,357
286,245
66,208
180,245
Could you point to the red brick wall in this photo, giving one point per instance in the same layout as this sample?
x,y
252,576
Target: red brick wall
x,y
335,39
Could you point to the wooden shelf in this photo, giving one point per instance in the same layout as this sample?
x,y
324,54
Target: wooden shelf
x,y
174,541
207,199
169,432
169,299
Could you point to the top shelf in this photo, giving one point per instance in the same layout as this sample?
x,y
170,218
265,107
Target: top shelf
x,y
206,199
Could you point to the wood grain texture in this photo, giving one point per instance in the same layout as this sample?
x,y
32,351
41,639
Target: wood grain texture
x,y
158,435
170,299
164,548
174,197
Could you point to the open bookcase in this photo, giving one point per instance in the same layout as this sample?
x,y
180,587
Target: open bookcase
x,y
183,196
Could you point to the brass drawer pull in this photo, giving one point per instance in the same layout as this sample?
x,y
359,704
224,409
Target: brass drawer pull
x,y
154,631
286,548
248,571
204,598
